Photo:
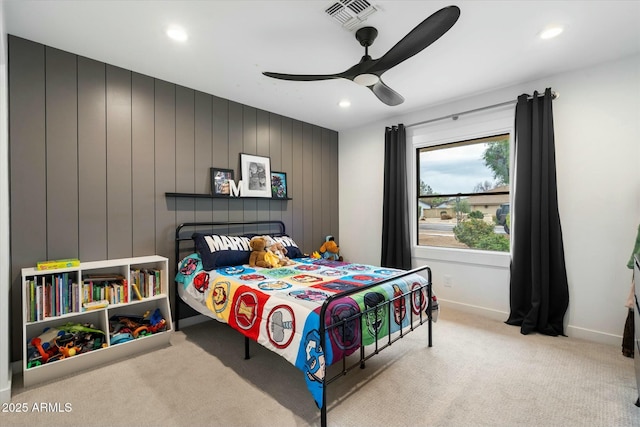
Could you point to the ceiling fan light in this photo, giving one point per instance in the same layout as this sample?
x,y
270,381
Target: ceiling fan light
x,y
366,79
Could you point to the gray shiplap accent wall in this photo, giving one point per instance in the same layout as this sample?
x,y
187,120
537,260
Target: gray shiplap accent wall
x,y
92,159
94,148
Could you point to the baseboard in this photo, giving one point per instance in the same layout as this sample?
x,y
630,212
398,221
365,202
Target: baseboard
x,y
5,391
474,309
594,336
571,331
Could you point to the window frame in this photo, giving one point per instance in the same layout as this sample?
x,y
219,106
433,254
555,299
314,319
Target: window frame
x,y
477,125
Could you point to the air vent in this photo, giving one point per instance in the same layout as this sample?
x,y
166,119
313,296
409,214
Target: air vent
x,y
350,13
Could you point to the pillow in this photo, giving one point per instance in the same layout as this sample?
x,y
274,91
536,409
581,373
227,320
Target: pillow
x,y
222,251
293,251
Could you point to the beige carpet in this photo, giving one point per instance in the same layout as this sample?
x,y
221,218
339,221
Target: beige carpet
x,y
480,372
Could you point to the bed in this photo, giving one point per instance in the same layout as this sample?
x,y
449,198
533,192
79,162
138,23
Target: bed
x,y
315,313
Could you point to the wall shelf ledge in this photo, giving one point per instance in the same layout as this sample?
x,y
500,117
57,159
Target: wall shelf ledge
x,y
212,196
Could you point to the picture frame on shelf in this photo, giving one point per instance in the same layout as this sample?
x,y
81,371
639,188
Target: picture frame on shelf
x,y
220,182
256,175
279,185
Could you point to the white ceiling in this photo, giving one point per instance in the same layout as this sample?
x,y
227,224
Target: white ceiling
x,y
494,44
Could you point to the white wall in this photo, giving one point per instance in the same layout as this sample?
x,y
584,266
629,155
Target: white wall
x,y
5,372
597,134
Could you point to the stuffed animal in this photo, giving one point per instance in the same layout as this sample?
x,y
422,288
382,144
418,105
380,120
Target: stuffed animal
x,y
258,246
330,249
271,257
281,252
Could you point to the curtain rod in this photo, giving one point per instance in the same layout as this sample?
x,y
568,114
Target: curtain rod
x,y
554,95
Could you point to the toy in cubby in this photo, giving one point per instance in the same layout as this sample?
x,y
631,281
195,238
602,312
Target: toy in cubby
x,y
123,328
63,341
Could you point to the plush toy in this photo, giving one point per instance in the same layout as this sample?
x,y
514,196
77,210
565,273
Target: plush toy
x,y
258,246
330,249
271,257
281,252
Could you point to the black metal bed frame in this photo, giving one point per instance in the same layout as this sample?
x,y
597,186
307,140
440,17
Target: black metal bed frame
x,y
389,305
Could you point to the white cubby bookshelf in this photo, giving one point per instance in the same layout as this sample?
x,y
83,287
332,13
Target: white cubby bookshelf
x,y
123,302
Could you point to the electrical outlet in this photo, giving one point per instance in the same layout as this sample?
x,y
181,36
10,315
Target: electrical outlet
x,y
447,281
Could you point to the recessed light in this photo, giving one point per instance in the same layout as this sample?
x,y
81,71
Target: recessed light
x,y
177,33
551,32
345,103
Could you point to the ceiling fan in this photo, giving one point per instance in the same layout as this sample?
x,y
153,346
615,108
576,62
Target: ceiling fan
x,y
368,71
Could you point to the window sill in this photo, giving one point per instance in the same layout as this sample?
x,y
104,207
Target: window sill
x,y
463,256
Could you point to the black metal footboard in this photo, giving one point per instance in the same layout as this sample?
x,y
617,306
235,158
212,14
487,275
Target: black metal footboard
x,y
380,342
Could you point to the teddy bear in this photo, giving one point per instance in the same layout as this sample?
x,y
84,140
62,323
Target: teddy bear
x,y
258,246
281,252
330,249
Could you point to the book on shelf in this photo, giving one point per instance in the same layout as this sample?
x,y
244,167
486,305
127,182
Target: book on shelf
x,y
136,290
110,287
94,305
52,295
146,282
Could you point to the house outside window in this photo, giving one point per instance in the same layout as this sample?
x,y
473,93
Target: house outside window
x,y
463,194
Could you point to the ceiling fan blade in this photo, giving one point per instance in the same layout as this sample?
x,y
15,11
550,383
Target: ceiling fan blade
x,y
427,32
301,77
386,94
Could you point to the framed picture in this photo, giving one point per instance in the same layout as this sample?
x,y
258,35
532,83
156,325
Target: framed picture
x,y
279,185
256,175
220,181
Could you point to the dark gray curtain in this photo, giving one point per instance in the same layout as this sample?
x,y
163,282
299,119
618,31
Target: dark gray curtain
x,y
539,293
396,247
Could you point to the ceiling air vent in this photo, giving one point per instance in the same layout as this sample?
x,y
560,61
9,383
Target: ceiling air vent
x,y
350,13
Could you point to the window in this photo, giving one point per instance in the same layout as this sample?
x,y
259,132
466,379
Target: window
x,y
463,194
